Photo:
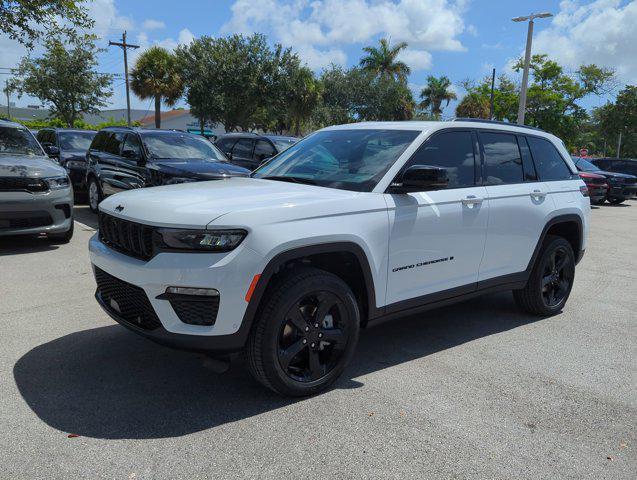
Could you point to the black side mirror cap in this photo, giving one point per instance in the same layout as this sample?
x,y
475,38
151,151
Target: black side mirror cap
x,y
52,150
421,178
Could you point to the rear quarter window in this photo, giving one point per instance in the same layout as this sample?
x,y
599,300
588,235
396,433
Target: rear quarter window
x,y
549,163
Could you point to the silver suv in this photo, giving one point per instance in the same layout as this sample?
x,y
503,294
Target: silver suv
x,y
35,192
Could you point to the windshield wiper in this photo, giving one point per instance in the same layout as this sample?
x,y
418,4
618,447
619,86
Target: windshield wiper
x,y
283,178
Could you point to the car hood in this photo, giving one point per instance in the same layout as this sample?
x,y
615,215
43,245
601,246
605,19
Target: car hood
x,y
613,174
26,166
194,205
198,169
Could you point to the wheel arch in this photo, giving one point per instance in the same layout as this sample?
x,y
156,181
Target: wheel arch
x,y
569,226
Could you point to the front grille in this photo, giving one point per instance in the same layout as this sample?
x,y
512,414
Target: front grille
x,y
126,301
22,184
25,220
130,238
196,311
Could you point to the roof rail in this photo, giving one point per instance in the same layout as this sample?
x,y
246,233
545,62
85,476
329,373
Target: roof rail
x,y
496,122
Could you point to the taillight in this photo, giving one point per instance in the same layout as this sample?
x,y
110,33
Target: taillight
x,y
584,191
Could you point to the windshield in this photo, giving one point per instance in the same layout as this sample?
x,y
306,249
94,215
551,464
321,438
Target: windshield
x,y
586,166
283,143
18,141
75,140
345,159
180,146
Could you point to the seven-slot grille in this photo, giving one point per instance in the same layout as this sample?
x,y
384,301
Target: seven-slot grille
x,y
126,301
22,184
134,239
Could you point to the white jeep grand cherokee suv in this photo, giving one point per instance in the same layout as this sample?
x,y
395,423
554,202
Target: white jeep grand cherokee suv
x,y
352,224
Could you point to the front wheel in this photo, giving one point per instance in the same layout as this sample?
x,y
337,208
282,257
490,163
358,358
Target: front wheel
x,y
616,201
305,334
551,279
94,195
64,237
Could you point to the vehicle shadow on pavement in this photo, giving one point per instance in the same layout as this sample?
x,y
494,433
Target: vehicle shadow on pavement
x,y
109,383
21,244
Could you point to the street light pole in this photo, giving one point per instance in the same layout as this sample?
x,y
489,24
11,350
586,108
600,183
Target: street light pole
x,y
527,60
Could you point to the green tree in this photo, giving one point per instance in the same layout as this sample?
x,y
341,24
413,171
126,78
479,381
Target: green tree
x,y
64,78
383,61
435,92
156,75
28,21
473,105
305,96
505,97
620,116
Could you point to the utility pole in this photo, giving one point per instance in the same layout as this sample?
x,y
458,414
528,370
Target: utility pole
x,y
491,107
125,46
619,143
7,92
527,60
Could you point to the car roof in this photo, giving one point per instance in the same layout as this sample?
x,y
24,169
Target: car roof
x,y
60,129
9,123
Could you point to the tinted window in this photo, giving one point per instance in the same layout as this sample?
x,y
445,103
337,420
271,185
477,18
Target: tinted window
x,y
530,174
283,143
548,161
602,163
75,140
454,152
243,148
225,145
263,149
503,163
100,141
586,166
347,159
132,143
41,136
625,166
114,144
18,141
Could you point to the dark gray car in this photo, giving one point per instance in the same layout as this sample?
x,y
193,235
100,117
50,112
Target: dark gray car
x,y
35,192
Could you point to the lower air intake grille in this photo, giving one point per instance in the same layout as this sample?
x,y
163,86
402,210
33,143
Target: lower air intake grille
x,y
196,311
126,301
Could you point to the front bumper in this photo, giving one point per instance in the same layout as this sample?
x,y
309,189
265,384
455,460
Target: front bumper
x,y
78,178
24,213
230,273
623,192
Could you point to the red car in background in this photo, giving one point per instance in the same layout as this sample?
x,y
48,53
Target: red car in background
x,y
597,186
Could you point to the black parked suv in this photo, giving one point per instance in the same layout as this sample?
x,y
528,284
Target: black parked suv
x,y
250,150
621,186
68,146
619,165
122,158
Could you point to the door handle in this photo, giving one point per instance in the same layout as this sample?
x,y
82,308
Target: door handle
x,y
471,200
538,194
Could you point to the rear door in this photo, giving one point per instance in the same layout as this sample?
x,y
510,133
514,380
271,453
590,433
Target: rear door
x,y
263,149
519,204
114,170
437,238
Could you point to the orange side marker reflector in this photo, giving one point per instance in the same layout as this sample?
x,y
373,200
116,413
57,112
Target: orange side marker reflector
x,y
253,285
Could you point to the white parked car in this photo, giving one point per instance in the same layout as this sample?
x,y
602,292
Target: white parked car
x,y
352,224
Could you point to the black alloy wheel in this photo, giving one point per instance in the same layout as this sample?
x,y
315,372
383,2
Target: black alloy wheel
x,y
313,337
305,332
557,277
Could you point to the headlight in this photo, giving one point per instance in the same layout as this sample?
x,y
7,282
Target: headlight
x,y
57,183
203,240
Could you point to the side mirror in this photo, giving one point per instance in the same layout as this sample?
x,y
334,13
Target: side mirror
x,y
421,178
51,150
132,154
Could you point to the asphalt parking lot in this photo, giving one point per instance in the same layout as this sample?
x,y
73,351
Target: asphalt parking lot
x,y
477,390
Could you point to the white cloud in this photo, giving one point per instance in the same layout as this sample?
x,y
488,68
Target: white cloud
x,y
151,24
324,27
603,32
416,59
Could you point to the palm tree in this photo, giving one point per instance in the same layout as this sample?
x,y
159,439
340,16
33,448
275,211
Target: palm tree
x,y
382,61
156,75
435,92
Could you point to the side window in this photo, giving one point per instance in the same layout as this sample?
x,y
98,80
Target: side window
x,y
225,144
503,162
263,149
243,148
41,136
133,144
100,141
114,144
454,152
530,174
548,161
603,163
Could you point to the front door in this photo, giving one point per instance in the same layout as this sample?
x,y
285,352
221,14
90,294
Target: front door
x,y
437,238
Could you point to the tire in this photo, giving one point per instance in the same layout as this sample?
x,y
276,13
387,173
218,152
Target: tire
x,y
616,201
286,351
64,237
94,194
601,201
535,298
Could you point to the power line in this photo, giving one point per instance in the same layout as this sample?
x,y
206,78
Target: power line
x,y
125,46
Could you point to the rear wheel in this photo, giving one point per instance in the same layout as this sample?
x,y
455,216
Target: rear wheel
x,y
94,195
601,201
551,279
306,333
616,201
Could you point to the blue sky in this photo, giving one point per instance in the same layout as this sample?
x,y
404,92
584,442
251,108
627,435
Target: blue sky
x,y
458,38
